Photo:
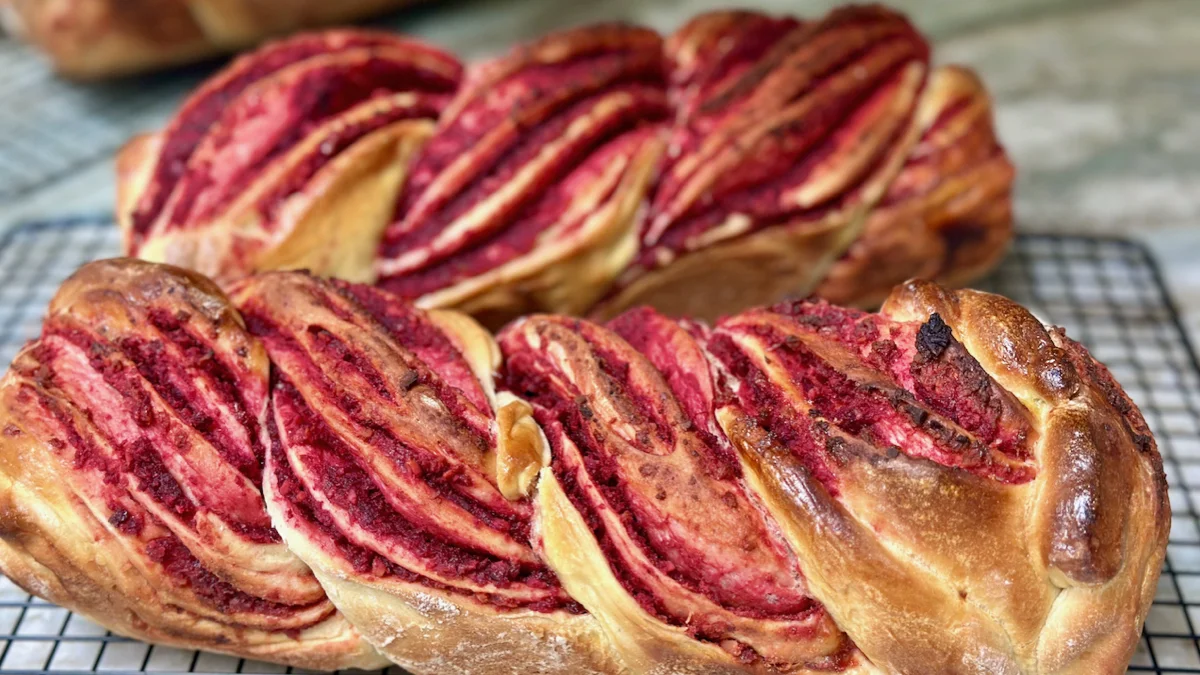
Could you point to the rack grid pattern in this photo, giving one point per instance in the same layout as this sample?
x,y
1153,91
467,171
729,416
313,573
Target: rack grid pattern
x,y
1107,293
50,127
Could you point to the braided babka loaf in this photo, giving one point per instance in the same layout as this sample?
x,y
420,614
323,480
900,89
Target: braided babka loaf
x,y
92,39
943,487
740,160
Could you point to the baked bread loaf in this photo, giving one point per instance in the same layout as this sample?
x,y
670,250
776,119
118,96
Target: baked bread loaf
x,y
93,39
740,160
944,487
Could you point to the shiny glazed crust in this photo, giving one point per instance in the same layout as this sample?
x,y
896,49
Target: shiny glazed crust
x,y
909,546
93,39
101,526
742,159
946,486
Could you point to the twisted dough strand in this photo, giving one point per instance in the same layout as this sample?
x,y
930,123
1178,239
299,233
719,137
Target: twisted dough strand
x,y
945,486
593,170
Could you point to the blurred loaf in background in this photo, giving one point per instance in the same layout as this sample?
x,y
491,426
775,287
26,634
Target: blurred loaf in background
x,y
93,39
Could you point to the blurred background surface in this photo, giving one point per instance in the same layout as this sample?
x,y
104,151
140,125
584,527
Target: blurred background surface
x,y
1098,103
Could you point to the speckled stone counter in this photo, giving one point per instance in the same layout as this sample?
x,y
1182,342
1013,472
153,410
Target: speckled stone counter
x,y
1098,103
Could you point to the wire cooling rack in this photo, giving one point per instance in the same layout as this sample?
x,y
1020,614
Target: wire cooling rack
x,y
50,127
1107,293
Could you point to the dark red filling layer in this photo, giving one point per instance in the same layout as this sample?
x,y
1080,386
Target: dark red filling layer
x,y
436,471
514,231
771,411
872,411
409,327
182,566
662,341
137,458
756,188
352,489
140,458
321,93
335,144
566,414
153,477
141,461
198,114
221,379
535,90
736,50
943,374
491,251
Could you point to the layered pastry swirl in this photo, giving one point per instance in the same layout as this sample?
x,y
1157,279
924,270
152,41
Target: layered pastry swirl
x,y
310,466
590,171
285,153
134,433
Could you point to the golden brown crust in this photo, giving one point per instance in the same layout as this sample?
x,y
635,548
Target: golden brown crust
x,y
104,544
1079,547
768,265
93,39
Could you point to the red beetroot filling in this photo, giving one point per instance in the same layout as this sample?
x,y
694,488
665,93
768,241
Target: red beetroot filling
x,y
86,456
137,458
440,474
351,488
409,326
752,37
925,154
755,190
140,458
446,478
727,106
278,340
337,143
762,401
175,389
851,21
321,93
649,106
531,86
186,570
944,376
201,111
556,410
487,253
153,478
650,334
126,522
354,365
864,411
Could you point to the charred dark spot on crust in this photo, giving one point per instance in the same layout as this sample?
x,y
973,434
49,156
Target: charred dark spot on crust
x,y
933,337
408,380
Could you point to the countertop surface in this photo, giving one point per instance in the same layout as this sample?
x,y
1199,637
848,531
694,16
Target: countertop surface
x,y
1098,103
